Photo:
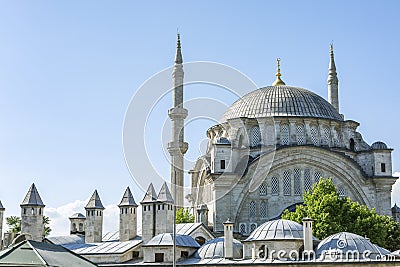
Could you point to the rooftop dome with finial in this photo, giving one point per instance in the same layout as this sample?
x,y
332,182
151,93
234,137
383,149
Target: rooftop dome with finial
x,y
280,100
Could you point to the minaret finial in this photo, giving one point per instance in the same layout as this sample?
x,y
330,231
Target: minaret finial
x,y
278,74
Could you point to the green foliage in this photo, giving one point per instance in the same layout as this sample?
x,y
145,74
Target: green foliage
x,y
184,216
46,222
14,225
333,214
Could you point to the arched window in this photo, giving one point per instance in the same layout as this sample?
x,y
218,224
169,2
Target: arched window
x,y
255,136
300,135
352,144
73,227
307,180
263,189
252,209
284,134
326,136
314,136
263,209
297,182
274,186
81,227
317,176
253,227
341,191
287,183
242,228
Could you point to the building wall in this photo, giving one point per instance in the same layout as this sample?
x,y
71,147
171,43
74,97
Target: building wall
x,y
127,223
94,226
32,222
149,253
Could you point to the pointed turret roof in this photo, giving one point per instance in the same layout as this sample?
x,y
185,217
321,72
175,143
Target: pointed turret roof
x,y
127,199
178,56
164,195
32,198
395,208
150,196
94,202
1,206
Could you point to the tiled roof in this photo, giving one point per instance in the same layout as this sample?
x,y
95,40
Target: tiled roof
x,y
167,240
127,199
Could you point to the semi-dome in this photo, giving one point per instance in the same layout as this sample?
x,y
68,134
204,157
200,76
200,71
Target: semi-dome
x,y
379,145
214,248
282,100
277,230
345,243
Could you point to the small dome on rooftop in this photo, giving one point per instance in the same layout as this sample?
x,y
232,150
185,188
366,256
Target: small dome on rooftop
x,y
214,248
77,216
345,243
379,145
277,229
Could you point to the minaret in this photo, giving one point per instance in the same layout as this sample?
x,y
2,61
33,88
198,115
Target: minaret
x,y
127,217
2,209
32,209
149,214
164,211
177,147
94,219
333,82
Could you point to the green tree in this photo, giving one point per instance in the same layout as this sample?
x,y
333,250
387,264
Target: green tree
x,y
184,216
46,222
14,225
333,214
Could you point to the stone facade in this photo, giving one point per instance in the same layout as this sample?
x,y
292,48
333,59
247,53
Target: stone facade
x,y
272,145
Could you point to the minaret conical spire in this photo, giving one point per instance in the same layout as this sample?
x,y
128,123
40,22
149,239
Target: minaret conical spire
x,y
178,56
333,81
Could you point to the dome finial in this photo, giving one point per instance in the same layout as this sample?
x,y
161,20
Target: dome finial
x,y
278,74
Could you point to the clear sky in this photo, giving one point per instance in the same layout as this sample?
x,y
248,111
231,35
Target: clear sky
x,y
68,70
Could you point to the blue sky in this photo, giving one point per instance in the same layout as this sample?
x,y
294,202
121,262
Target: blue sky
x,y
68,70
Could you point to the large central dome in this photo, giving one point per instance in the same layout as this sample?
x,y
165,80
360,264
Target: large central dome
x,y
281,101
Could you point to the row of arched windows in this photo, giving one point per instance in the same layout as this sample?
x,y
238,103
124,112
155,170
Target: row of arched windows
x,y
317,138
291,182
93,213
262,209
128,210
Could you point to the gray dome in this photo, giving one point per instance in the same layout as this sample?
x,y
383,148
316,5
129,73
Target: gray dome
x,y
379,145
286,101
214,248
344,243
277,229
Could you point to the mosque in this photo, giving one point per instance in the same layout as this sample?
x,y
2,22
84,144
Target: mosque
x,y
269,148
